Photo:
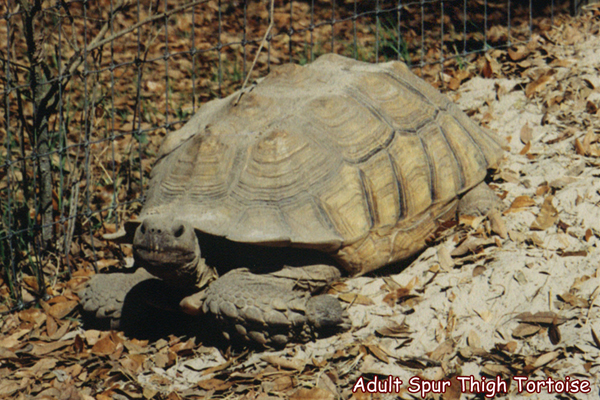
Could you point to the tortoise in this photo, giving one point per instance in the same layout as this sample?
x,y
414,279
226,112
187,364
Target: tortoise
x,y
256,204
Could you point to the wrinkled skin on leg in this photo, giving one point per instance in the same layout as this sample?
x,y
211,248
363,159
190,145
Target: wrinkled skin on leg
x,y
105,294
479,201
272,309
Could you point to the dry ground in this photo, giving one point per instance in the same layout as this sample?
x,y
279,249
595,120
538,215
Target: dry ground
x,y
515,294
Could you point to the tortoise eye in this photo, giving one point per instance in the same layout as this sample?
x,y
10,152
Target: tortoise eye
x,y
179,231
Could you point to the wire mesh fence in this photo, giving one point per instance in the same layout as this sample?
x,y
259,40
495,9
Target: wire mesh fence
x,y
91,87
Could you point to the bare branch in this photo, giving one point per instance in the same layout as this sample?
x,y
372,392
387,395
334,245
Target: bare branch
x,y
262,44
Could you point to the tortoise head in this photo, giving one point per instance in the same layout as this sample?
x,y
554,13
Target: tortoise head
x,y
168,248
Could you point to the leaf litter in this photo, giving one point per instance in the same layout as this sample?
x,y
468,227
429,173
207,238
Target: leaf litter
x,y
495,296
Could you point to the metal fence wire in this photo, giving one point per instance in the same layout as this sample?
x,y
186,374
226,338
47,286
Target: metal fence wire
x,y
90,88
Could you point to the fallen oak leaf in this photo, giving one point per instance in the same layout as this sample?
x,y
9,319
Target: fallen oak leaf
x,y
355,298
547,217
312,394
285,363
519,203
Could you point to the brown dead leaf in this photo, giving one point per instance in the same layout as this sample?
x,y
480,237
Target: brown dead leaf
x,y
133,363
526,134
355,298
399,296
285,363
497,224
538,85
519,203
453,392
547,217
495,369
42,366
214,384
394,329
486,70
510,347
525,330
545,359
588,234
579,149
471,245
554,334
312,394
478,270
443,350
378,352
35,316
8,387
41,349
518,53
5,353
61,309
595,338
104,346
525,149
542,317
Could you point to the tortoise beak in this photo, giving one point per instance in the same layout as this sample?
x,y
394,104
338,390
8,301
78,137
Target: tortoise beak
x,y
163,245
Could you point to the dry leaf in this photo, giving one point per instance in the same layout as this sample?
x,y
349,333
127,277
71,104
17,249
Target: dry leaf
x,y
41,349
61,309
545,359
497,224
378,352
355,298
525,149
471,245
473,339
312,394
595,338
399,296
588,234
542,317
538,85
510,347
214,384
547,216
394,329
104,346
495,369
519,53
526,134
281,362
442,351
453,392
554,334
478,270
445,259
525,330
519,203
579,149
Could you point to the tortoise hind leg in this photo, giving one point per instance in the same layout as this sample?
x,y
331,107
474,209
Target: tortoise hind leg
x,y
271,309
479,201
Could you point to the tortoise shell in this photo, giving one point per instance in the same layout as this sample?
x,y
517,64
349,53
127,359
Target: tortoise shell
x,y
357,160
